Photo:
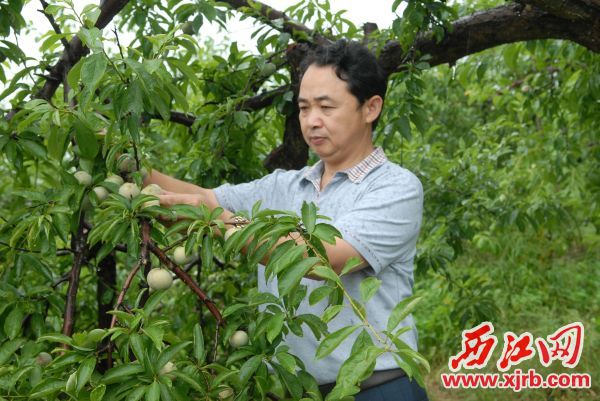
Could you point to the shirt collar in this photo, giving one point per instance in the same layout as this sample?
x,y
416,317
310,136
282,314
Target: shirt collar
x,y
355,174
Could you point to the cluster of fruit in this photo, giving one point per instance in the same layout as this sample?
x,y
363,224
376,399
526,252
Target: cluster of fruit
x,y
129,190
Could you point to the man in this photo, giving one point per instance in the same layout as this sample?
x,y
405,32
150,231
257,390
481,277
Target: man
x,y
375,204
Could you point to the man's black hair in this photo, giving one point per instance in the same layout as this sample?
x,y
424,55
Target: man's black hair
x,y
354,64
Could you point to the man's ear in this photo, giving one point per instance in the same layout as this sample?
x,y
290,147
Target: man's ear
x,y
372,108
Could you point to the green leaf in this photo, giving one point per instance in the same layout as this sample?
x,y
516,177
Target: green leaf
x,y
168,353
333,340
368,288
47,387
93,70
134,98
34,149
199,350
290,380
84,373
153,392
309,216
165,392
326,273
356,368
275,326
192,381
119,373
402,310
57,143
153,301
331,312
137,346
316,325
230,310
350,264
14,322
326,232
248,368
289,279
9,348
319,293
98,393
136,393
86,139
404,127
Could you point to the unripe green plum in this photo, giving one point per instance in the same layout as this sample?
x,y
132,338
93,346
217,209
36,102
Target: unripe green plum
x,y
268,69
188,28
43,359
126,163
238,339
152,189
180,257
71,383
159,279
129,190
167,368
101,193
83,178
115,179
226,394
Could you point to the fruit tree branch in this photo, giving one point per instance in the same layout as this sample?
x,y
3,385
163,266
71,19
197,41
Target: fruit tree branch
x,y
55,26
164,259
254,103
76,50
79,246
270,15
501,25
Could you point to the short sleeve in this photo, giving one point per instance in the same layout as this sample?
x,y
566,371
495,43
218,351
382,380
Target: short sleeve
x,y
385,222
242,197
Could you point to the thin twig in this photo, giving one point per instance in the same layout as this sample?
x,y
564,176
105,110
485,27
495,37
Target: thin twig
x,y
143,260
79,246
118,43
55,26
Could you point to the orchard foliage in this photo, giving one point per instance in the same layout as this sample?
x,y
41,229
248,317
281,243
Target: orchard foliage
x,y
505,143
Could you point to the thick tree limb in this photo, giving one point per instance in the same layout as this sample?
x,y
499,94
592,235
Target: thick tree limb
x,y
293,151
254,103
501,25
287,25
76,50
572,10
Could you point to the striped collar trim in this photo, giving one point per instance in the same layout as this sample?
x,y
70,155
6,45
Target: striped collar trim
x,y
355,174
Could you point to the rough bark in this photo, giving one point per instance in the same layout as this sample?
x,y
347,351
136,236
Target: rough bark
x,y
497,26
293,151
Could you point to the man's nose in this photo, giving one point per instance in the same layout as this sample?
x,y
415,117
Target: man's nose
x,y
314,119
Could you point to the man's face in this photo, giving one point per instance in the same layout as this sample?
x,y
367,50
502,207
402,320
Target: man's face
x,y
335,126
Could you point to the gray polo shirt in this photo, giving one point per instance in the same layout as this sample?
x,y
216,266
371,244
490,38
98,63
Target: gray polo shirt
x,y
377,206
